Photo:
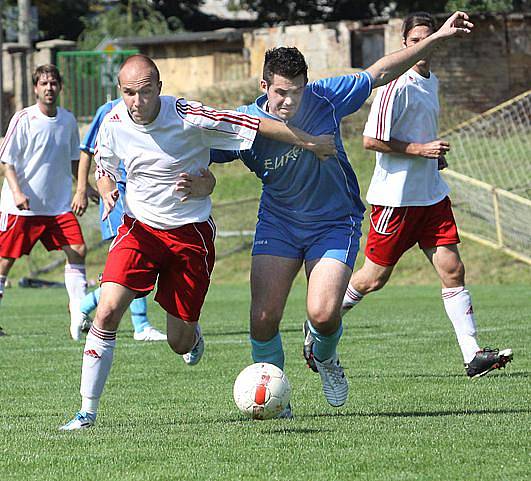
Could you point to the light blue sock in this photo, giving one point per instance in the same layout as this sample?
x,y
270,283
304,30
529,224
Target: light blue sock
x,y
268,351
324,347
138,310
90,301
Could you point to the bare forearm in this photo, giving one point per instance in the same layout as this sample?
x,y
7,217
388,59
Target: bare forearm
x,y
279,131
83,171
105,185
391,146
395,64
432,150
12,179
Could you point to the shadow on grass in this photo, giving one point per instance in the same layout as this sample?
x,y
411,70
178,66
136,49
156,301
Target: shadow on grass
x,y
418,414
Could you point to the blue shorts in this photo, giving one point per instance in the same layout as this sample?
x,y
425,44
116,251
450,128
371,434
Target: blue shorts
x,y
335,240
109,226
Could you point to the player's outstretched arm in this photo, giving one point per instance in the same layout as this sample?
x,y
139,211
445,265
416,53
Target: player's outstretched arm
x,y
322,145
395,64
21,200
431,150
109,194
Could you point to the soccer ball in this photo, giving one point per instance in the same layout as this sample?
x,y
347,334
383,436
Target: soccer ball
x,y
261,391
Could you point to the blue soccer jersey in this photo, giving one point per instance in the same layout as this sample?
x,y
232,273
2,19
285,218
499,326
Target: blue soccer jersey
x,y
297,186
109,226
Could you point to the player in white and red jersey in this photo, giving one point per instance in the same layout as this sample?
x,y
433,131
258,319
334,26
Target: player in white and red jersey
x,y
39,153
162,240
410,201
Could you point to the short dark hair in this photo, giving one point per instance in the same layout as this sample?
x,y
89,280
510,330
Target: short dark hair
x,y
47,69
417,19
286,61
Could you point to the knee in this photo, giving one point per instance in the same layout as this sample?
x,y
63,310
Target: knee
x,y
325,318
78,254
264,322
107,317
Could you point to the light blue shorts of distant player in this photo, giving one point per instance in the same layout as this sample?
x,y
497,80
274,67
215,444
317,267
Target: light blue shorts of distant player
x,y
339,239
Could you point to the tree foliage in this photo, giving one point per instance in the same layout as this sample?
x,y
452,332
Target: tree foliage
x,y
478,6
128,18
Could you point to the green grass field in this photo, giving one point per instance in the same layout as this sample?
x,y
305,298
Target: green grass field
x,y
411,415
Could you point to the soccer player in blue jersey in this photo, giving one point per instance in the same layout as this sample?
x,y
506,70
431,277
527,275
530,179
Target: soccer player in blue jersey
x,y
310,210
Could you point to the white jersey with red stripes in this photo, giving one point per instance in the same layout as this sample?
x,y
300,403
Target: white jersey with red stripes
x,y
41,150
406,109
178,140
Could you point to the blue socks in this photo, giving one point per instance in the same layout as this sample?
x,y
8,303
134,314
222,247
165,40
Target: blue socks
x,y
324,347
268,351
90,301
138,309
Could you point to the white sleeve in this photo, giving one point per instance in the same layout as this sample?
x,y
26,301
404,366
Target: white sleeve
x,y
107,163
220,129
379,123
15,141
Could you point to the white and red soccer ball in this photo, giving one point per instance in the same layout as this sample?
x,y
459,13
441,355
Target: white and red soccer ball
x,y
261,391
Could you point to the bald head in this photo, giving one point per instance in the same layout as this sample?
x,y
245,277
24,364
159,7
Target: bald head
x,y
139,82
136,64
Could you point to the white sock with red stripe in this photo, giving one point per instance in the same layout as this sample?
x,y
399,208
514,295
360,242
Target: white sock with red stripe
x,y
97,361
458,305
352,297
3,280
76,286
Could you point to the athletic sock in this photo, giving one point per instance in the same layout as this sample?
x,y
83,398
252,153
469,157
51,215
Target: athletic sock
x,y
97,361
268,351
90,301
324,347
458,305
3,280
138,310
351,298
76,286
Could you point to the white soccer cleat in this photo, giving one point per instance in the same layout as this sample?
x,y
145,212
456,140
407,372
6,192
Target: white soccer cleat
x,y
76,325
335,384
150,334
194,356
82,420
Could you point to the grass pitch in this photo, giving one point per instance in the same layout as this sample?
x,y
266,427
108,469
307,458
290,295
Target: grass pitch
x,y
411,414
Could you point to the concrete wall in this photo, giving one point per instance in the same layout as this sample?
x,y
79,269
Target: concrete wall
x,y
188,67
324,46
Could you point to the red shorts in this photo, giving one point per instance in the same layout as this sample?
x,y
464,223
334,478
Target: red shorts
x,y
395,229
19,233
181,258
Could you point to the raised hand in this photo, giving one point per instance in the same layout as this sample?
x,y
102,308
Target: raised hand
x,y
457,25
